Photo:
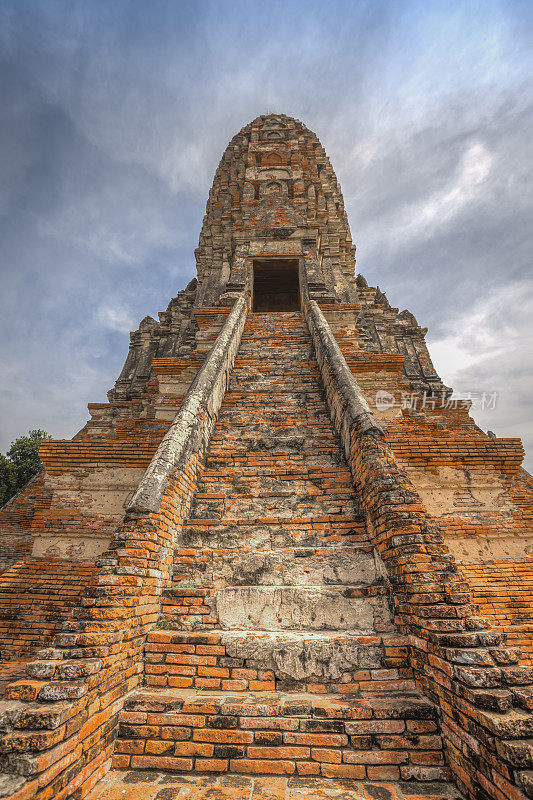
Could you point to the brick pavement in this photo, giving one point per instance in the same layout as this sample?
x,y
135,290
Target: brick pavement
x,y
143,785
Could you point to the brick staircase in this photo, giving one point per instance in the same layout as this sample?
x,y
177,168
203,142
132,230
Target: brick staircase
x,y
277,651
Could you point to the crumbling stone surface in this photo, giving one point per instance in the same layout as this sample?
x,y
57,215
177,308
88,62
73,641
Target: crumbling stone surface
x,y
301,608
299,658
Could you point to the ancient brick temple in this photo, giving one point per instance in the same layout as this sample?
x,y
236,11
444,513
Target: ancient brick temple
x,y
255,559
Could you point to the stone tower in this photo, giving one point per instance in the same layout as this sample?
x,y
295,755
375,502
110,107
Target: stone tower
x,y
281,548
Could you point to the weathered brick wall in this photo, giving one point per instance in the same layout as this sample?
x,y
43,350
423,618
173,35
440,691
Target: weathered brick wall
x,y
16,536
471,484
459,661
36,595
503,590
14,547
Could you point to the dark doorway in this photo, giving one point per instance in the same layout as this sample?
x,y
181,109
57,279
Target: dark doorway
x,y
276,285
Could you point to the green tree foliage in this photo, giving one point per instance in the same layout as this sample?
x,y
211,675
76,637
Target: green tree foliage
x,y
7,479
20,463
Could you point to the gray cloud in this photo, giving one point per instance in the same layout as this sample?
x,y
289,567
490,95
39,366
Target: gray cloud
x,y
114,117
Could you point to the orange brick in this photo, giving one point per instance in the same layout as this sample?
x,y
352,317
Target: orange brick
x,y
213,672
159,746
342,771
161,763
207,683
316,739
262,686
223,736
383,773
329,756
307,768
278,752
120,761
131,746
247,766
179,683
233,685
193,749
210,765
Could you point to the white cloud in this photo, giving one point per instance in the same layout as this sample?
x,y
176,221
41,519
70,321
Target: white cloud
x,y
444,205
116,318
423,217
488,349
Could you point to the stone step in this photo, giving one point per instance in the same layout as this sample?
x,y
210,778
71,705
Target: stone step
x,y
280,733
286,472
316,484
273,470
290,336
300,491
294,566
299,364
275,533
257,383
296,370
231,462
288,391
276,348
263,445
278,505
261,436
283,386
360,609
264,407
237,660
280,416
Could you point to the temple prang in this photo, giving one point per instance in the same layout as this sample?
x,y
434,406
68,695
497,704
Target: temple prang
x,y
281,547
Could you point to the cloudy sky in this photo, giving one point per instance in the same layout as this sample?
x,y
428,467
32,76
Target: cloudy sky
x,y
114,116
